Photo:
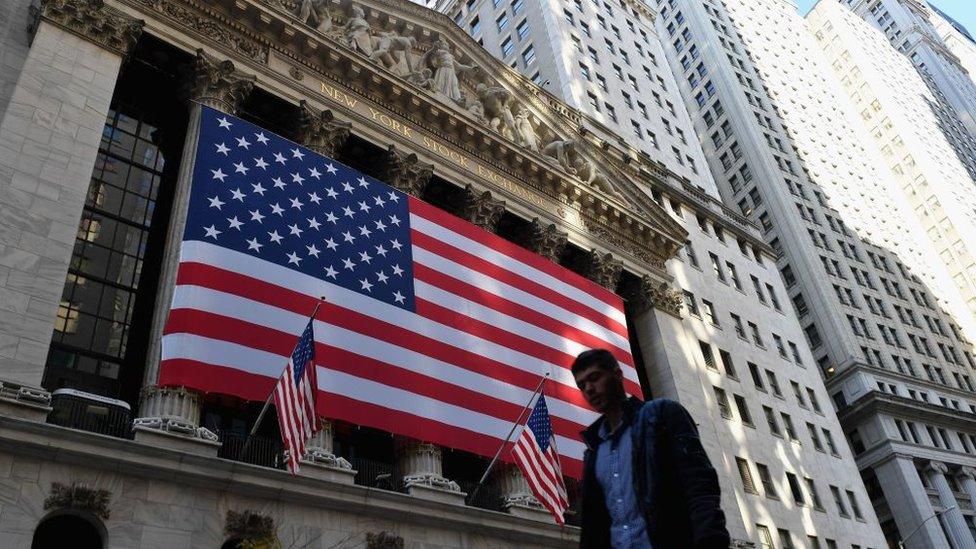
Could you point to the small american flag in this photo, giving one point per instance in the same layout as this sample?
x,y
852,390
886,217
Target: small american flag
x,y
535,453
431,327
294,397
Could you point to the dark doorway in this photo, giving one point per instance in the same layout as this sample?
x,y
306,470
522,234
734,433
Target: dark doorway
x,y
67,530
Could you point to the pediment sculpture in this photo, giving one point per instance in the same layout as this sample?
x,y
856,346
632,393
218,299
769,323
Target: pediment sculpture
x,y
440,68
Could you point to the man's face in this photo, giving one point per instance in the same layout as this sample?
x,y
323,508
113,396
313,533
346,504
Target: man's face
x,y
601,387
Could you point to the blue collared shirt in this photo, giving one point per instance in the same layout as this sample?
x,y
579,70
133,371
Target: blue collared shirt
x,y
615,475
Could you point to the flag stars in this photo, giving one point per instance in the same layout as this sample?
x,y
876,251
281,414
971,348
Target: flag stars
x,y
397,270
379,201
363,206
274,236
236,194
297,178
297,153
219,174
314,172
380,226
363,183
295,203
366,285
314,198
256,216
381,277
280,158
399,298
380,250
293,259
261,138
331,169
224,123
364,231
314,223
216,202
347,211
313,251
260,163
365,257
253,244
331,272
394,220
347,187
243,143
348,237
349,264
278,183
394,197
295,230
222,148
331,193
277,210
331,244
235,223
331,217
239,167
258,189
396,244
212,232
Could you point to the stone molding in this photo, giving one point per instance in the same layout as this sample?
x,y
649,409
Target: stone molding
x,y
406,172
80,497
18,400
936,467
92,20
320,131
648,293
967,472
420,464
210,26
546,240
319,449
482,209
217,83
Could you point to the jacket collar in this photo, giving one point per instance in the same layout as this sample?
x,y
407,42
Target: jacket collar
x,y
591,435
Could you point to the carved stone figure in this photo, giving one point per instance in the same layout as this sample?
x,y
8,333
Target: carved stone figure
x,y
315,13
566,153
476,108
497,102
358,32
393,51
525,133
446,67
423,78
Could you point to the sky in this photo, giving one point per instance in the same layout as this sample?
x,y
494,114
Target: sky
x,y
963,11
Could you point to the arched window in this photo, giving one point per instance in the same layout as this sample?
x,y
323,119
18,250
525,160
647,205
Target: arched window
x,y
67,528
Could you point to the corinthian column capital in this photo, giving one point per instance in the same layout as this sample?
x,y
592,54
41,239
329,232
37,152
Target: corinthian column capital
x,y
92,20
216,83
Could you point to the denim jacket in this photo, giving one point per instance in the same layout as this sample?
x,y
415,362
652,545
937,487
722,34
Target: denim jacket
x,y
677,487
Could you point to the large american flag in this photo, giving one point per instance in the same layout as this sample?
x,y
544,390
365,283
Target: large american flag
x,y
434,329
294,398
535,454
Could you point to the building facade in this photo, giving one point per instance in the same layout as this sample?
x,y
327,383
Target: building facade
x,y
910,27
786,147
775,444
101,104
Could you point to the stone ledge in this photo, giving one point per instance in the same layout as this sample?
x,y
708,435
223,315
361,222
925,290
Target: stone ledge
x,y
327,473
182,443
24,410
434,493
531,513
62,445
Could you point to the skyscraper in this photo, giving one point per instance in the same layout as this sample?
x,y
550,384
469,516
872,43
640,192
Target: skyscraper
x,y
740,361
785,144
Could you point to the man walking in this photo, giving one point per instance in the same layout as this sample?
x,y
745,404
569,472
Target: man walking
x,y
647,482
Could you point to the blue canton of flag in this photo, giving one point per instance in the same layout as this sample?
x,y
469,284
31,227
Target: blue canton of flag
x,y
304,353
276,200
540,424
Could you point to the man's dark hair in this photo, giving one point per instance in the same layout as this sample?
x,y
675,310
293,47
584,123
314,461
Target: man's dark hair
x,y
594,357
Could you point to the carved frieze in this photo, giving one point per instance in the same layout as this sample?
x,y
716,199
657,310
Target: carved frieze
x,y
320,131
546,240
183,14
80,497
216,82
481,209
604,269
406,172
92,20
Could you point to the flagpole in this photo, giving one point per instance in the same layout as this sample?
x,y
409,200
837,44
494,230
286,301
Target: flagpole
x,y
505,442
267,403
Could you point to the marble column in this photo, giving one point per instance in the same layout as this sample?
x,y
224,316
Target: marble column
x,y
320,460
419,464
517,497
171,416
546,240
481,209
604,269
966,477
955,524
49,137
405,172
320,131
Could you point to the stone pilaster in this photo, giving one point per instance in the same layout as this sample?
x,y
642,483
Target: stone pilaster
x,y
966,477
59,98
603,269
482,209
406,172
647,293
546,240
420,469
215,83
517,497
320,131
92,20
320,460
955,524
900,481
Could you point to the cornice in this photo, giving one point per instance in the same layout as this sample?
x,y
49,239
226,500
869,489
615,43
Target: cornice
x,y
877,402
92,20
